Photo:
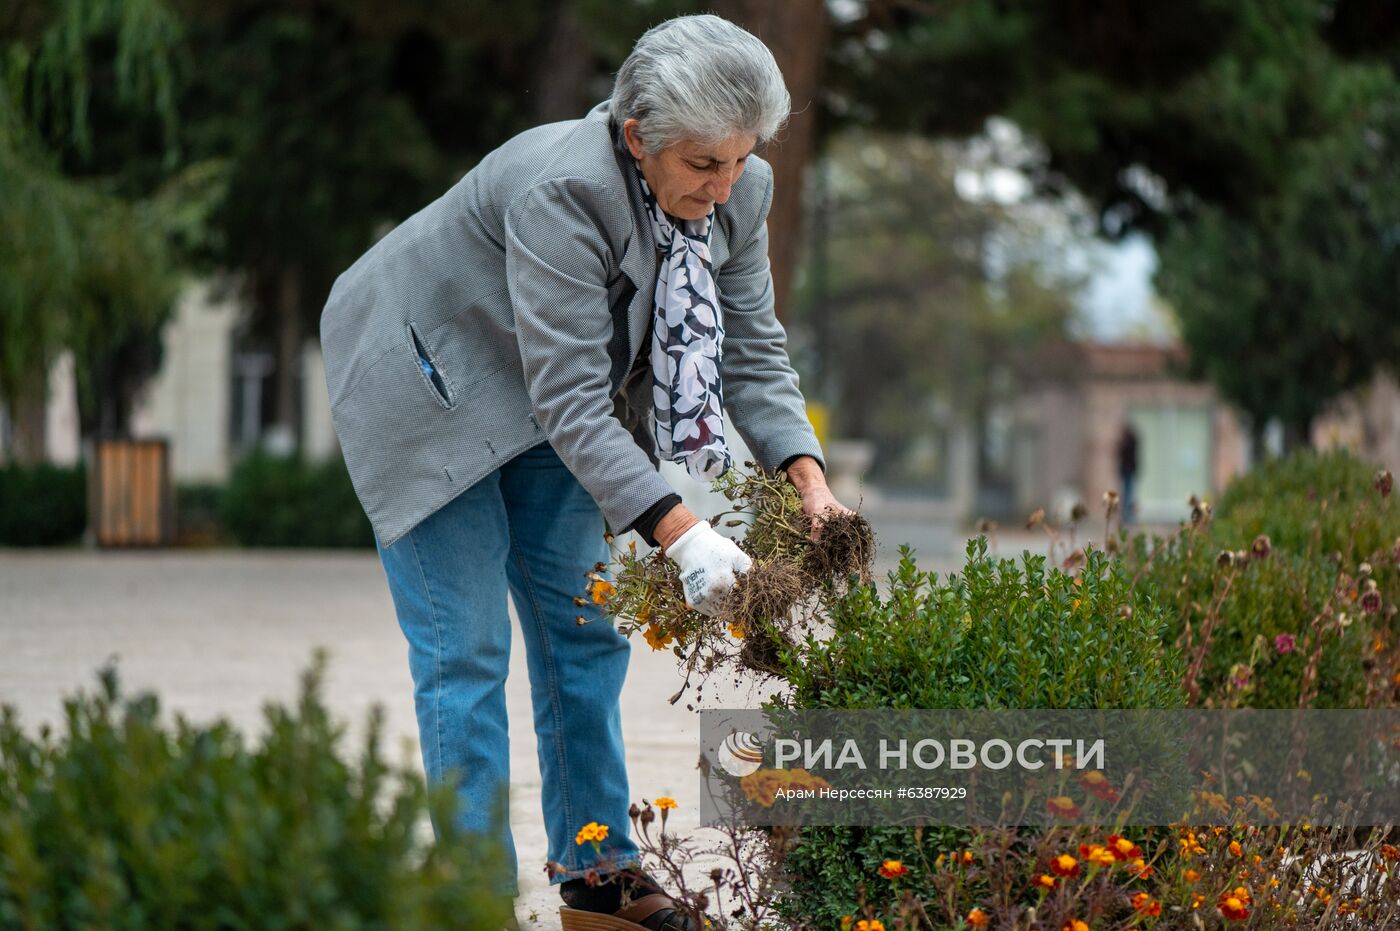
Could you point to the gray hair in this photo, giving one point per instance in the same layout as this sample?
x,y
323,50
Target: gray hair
x,y
700,78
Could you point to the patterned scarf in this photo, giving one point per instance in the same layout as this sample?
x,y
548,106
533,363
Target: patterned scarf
x,y
687,398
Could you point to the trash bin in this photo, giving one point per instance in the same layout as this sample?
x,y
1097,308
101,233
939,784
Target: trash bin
x,y
130,498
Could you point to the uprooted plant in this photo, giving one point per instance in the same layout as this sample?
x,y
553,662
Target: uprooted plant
x,y
781,595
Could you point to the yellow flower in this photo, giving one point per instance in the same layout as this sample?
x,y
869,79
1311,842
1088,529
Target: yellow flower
x,y
736,631
601,590
874,924
592,831
665,802
656,638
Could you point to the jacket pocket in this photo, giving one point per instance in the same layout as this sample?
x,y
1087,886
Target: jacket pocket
x,y
439,385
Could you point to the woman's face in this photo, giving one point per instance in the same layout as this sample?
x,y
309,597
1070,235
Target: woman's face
x,y
689,178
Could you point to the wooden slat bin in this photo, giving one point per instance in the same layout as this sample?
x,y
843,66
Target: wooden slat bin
x,y
130,499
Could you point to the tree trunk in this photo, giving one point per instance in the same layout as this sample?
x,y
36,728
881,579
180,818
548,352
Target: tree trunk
x,y
291,337
1297,434
29,420
564,90
796,32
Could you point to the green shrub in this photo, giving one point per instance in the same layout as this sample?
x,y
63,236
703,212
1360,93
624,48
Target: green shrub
x,y
286,501
43,505
199,514
1275,585
1000,635
122,823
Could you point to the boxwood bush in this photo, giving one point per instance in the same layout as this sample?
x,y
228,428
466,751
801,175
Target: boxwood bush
x,y
42,505
999,635
121,822
287,501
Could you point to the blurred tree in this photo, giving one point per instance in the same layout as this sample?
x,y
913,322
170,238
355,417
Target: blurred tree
x,y
1298,300
81,266
927,293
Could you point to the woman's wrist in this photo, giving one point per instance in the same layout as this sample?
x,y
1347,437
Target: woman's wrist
x,y
805,474
676,522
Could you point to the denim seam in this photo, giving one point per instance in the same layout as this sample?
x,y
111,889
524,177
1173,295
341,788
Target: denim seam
x,y
437,653
547,648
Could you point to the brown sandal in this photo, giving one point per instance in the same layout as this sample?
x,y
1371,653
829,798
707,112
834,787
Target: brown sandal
x,y
627,918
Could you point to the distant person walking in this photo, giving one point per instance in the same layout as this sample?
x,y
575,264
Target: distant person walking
x,y
1127,471
508,367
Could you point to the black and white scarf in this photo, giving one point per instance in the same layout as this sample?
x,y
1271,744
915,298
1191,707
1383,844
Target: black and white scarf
x,y
687,333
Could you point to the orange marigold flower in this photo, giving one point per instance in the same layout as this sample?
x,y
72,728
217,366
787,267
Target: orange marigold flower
x,y
967,856
1235,849
1097,854
1192,876
893,869
656,638
601,590
1064,865
847,921
1097,784
665,802
1233,908
978,918
874,924
1140,869
736,631
592,831
1197,899
1074,924
1045,881
1390,852
1122,848
1144,904
1062,806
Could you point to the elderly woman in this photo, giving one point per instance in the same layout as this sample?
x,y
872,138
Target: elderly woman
x,y
506,370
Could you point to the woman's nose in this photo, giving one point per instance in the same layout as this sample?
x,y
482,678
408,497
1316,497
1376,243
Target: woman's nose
x,y
719,187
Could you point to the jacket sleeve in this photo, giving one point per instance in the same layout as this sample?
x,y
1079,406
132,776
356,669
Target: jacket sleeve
x,y
760,386
560,236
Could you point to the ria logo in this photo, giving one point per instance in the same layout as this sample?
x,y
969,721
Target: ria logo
x,y
740,754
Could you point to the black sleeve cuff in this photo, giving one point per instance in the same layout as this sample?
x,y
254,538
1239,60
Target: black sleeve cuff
x,y
646,524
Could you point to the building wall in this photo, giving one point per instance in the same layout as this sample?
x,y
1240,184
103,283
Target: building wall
x,y
188,400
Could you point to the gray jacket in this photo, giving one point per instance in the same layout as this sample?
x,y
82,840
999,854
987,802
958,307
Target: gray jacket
x,y
529,287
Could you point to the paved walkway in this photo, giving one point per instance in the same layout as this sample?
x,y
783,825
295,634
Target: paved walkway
x,y
221,632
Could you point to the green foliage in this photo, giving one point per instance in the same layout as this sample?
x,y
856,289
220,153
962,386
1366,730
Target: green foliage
x,y
286,501
81,267
199,514
42,505
997,636
1330,535
123,822
1308,273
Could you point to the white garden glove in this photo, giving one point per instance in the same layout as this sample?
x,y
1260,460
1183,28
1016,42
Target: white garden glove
x,y
710,564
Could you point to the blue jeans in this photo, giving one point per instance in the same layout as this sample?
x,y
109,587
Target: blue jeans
x,y
529,529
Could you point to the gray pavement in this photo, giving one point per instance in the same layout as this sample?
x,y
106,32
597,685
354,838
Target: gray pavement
x,y
218,633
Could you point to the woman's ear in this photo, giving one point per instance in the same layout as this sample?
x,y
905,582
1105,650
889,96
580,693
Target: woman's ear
x,y
633,138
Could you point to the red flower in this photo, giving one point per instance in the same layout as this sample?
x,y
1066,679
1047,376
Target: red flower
x,y
1097,785
1062,806
893,869
1233,908
1064,865
1144,904
1122,848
